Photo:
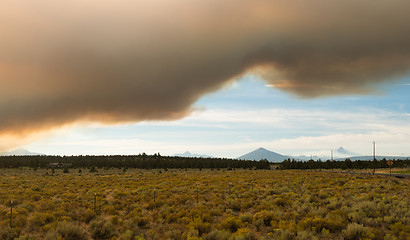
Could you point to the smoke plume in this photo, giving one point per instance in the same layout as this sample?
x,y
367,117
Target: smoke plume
x,y
132,60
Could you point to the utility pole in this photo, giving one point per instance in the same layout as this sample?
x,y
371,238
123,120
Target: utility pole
x,y
331,155
374,157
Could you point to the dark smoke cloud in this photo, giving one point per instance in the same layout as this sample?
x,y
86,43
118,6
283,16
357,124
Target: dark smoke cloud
x,y
134,60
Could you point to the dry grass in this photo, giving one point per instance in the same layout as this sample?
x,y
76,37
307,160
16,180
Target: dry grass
x,y
262,204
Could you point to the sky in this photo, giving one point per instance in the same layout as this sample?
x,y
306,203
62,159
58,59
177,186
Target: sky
x,y
220,78
249,114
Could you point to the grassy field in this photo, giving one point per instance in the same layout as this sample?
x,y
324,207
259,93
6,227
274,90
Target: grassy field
x,y
401,171
381,170
193,204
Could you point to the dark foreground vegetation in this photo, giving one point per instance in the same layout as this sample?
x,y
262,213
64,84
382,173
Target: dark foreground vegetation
x,y
346,164
129,204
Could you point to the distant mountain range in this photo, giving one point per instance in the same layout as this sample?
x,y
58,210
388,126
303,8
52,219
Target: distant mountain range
x,y
305,158
258,154
192,155
20,152
371,158
262,153
345,152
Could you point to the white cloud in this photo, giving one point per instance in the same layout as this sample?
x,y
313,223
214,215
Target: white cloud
x,y
231,133
387,143
325,121
353,130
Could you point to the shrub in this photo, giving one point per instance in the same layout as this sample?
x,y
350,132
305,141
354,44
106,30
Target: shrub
x,y
102,229
231,223
173,234
281,202
369,208
142,221
202,227
246,218
36,197
87,215
41,219
51,235
318,224
71,231
304,235
128,235
244,234
389,237
217,235
283,234
401,230
7,233
356,231
235,205
265,216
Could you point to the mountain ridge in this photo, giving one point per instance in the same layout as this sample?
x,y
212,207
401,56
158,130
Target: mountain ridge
x,y
21,152
262,153
343,151
191,155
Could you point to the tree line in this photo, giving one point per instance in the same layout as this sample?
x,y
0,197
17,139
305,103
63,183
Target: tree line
x,y
156,161
141,161
346,164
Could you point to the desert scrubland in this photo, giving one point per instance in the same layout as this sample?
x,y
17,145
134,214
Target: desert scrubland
x,y
194,204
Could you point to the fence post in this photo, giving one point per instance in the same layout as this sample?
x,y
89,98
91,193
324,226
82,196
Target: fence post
x,y
197,198
95,203
11,214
